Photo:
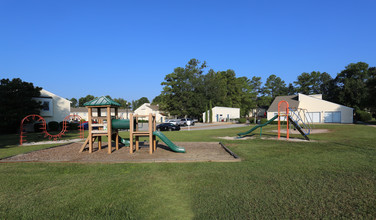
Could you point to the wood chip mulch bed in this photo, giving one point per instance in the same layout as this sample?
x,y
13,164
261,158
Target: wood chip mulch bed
x,y
195,152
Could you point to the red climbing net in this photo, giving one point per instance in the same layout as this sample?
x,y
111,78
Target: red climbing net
x,y
43,127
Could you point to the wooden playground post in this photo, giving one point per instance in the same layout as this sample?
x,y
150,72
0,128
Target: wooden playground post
x,y
109,129
90,137
136,133
100,121
131,128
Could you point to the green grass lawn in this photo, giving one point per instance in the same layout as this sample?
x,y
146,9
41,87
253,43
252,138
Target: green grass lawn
x,y
334,176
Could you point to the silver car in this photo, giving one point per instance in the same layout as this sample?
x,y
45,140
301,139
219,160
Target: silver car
x,y
173,121
186,122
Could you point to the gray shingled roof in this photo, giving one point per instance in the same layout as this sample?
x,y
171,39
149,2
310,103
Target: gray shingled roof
x,y
154,107
291,99
101,101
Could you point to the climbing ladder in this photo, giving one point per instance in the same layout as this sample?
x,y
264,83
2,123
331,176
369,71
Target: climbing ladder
x,y
299,124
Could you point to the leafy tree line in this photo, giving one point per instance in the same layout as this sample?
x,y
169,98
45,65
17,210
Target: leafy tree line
x,y
16,102
188,90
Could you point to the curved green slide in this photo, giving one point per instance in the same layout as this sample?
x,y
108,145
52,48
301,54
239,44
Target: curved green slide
x,y
126,142
258,126
169,143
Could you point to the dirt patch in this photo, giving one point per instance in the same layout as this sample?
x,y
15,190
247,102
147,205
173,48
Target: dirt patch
x,y
195,152
313,131
265,138
51,142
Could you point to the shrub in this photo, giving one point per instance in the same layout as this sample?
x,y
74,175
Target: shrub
x,y
275,122
263,120
38,127
362,116
53,126
242,120
73,126
61,124
251,120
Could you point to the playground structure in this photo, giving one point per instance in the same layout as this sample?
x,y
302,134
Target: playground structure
x,y
109,126
38,118
288,115
103,127
136,133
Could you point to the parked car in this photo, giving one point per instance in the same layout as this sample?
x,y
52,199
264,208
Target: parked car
x,y
173,121
186,122
168,127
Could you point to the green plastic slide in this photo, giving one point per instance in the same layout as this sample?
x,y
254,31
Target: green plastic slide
x,y
126,142
258,126
169,143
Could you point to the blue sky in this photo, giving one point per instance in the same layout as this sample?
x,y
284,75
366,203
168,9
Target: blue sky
x,y
125,48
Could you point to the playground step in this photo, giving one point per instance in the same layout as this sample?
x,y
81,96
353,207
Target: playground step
x,y
99,132
141,133
98,125
297,126
99,117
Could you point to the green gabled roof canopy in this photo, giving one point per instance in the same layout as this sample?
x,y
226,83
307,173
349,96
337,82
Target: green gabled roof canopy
x,y
101,101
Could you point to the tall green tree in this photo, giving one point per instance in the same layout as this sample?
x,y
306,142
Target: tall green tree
x,y
352,84
291,90
16,103
83,100
137,103
273,87
371,90
74,103
206,114
183,90
210,112
215,87
314,83
248,95
123,103
304,83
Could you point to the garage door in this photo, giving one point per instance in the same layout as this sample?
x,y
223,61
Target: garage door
x,y
315,117
332,117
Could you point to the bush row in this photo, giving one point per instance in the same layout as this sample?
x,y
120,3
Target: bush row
x,y
362,116
251,120
56,126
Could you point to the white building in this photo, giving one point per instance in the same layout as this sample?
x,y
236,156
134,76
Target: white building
x,y
313,108
147,108
83,112
55,108
222,114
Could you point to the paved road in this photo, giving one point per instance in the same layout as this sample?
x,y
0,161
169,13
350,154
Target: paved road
x,y
207,126
200,126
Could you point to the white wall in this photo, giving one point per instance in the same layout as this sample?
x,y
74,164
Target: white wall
x,y
223,113
318,105
312,104
59,107
84,114
145,109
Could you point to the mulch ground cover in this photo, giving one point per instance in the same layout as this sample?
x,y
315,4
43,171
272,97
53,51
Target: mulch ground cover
x,y
195,152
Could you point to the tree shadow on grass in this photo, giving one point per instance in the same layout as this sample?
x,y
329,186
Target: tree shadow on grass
x,y
11,140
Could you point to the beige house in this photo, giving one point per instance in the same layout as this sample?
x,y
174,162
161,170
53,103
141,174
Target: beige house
x,y
83,112
55,108
223,114
147,108
312,108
